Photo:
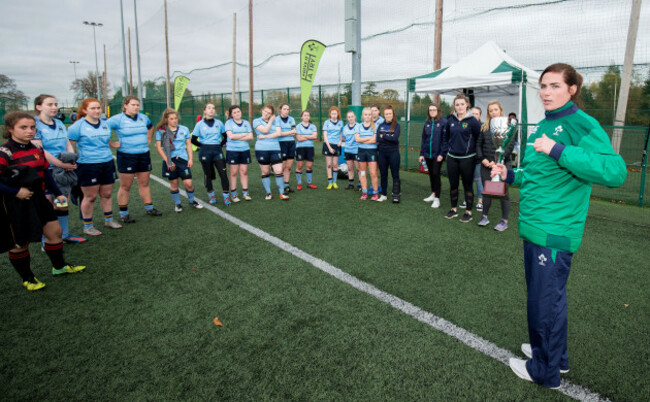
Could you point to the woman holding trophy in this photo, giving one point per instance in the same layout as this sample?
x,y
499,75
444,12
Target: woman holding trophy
x,y
486,149
569,152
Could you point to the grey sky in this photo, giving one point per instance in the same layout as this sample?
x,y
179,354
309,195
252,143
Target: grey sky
x,y
39,38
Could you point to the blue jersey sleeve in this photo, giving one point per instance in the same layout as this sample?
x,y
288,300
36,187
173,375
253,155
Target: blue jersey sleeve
x,y
73,132
113,122
149,125
158,135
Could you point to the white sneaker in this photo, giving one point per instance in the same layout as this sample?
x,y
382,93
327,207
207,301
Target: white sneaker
x,y
112,224
519,368
463,205
382,198
247,197
91,231
178,208
528,352
235,199
436,203
430,198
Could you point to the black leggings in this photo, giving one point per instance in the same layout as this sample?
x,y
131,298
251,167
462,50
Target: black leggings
x,y
389,159
487,201
208,174
463,167
434,175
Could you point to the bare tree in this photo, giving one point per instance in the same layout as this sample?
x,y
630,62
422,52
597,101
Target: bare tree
x,y
87,87
10,97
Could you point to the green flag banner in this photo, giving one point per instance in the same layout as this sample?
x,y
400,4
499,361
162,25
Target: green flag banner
x,y
180,83
310,54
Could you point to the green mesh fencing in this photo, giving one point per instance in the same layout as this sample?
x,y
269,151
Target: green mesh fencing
x,y
394,93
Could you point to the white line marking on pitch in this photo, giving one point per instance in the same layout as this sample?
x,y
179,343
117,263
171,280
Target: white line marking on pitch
x,y
473,341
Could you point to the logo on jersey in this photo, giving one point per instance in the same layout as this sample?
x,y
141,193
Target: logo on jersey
x,y
542,260
558,130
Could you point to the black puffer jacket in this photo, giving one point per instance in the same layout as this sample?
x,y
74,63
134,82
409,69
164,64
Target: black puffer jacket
x,y
485,148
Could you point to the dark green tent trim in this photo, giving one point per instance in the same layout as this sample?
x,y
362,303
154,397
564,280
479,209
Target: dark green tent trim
x,y
430,75
506,67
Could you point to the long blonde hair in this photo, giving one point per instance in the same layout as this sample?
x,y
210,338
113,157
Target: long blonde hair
x,y
486,125
372,123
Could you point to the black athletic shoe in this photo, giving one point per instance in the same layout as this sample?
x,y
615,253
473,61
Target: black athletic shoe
x,y
451,214
350,187
288,190
127,219
153,212
466,217
396,198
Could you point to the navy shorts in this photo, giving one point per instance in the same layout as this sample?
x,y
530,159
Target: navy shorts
x,y
95,174
181,171
238,157
288,149
350,157
367,155
268,157
210,153
305,154
326,151
133,163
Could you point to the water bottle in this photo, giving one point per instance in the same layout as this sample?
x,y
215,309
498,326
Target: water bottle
x,y
424,166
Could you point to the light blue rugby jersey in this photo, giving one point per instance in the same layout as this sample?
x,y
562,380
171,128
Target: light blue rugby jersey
x,y
379,121
209,134
131,132
333,131
351,145
285,125
366,132
92,141
265,144
302,130
182,135
238,145
54,137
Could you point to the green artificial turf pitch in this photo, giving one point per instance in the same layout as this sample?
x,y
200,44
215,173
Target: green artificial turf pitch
x,y
138,324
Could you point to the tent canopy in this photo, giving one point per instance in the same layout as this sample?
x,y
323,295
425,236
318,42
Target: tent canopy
x,y
492,74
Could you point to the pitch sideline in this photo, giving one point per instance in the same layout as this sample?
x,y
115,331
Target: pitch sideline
x,y
473,341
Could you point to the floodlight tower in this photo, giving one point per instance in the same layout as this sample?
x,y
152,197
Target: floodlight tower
x,y
353,45
95,25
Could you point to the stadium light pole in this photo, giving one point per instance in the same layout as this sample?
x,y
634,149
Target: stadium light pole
x,y
137,52
74,66
124,81
353,45
95,25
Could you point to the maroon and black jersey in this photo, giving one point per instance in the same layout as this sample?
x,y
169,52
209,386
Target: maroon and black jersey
x,y
13,153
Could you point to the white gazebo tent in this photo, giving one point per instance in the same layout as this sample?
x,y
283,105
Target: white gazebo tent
x,y
490,73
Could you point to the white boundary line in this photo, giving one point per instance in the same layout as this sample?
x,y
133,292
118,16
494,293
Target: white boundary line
x,y
473,341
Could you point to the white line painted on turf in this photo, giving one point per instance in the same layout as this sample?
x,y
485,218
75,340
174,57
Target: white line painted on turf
x,y
473,341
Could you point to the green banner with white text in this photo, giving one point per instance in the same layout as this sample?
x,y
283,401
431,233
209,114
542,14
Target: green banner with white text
x,y
180,83
310,54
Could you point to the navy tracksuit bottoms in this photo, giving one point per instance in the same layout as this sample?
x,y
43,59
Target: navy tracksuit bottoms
x,y
547,272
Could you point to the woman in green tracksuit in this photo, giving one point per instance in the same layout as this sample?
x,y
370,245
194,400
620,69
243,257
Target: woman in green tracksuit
x,y
564,156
